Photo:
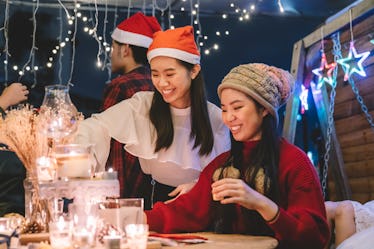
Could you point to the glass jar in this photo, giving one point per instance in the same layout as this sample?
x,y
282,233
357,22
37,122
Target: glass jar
x,y
59,114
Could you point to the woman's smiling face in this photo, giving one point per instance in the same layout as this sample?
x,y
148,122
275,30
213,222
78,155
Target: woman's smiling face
x,y
173,80
241,115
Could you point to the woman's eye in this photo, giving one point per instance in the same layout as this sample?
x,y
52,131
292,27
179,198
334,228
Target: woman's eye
x,y
237,107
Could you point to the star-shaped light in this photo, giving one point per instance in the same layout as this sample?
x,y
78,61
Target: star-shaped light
x,y
324,72
304,99
353,62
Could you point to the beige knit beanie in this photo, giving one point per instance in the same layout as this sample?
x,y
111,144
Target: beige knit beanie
x,y
270,86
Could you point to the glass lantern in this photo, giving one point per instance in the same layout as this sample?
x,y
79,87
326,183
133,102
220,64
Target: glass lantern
x,y
58,112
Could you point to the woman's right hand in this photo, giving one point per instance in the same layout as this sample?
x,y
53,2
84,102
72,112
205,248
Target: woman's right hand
x,y
13,94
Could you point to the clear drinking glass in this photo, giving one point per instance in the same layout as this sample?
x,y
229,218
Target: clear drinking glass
x,y
60,233
121,212
85,220
137,236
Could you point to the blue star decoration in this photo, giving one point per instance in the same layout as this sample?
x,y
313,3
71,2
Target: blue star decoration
x,y
324,72
353,62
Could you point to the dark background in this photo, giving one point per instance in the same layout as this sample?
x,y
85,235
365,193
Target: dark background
x,y
268,37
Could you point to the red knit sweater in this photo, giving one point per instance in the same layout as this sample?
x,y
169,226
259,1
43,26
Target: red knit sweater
x,y
302,220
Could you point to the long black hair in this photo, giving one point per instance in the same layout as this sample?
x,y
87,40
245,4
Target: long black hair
x,y
264,156
201,129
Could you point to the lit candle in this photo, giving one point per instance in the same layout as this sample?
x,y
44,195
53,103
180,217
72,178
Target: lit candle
x,y
60,233
46,168
110,174
112,241
74,165
137,235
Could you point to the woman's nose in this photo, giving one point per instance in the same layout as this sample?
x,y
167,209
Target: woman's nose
x,y
163,82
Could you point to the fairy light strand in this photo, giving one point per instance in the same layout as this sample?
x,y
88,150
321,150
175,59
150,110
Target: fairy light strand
x,y
104,32
73,43
33,47
61,52
129,9
66,11
6,48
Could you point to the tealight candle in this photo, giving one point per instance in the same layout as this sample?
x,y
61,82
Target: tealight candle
x,y
60,233
46,169
110,174
112,241
137,236
73,161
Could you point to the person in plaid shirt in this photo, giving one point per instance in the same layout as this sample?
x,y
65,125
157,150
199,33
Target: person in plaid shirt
x,y
131,39
174,131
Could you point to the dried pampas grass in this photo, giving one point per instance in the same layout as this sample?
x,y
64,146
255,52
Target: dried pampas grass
x,y
19,130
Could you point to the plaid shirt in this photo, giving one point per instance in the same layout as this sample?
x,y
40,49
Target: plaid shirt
x,y
130,175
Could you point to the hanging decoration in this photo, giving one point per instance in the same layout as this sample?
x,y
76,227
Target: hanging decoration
x,y
304,99
324,71
353,62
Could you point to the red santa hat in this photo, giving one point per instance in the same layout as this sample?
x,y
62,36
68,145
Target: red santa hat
x,y
177,43
136,30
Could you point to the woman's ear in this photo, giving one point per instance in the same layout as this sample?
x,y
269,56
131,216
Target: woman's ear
x,y
195,71
265,112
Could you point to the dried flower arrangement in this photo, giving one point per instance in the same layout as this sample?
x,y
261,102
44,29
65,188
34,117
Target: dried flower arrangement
x,y
20,131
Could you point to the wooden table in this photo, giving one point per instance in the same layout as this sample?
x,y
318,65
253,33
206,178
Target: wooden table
x,y
215,241
232,241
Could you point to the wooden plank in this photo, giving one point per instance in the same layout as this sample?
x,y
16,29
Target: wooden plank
x,y
362,185
360,137
364,86
362,197
358,153
360,168
292,107
334,24
353,123
353,107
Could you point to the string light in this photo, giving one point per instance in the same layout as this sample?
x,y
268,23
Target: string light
x,y
207,45
353,62
280,5
304,99
325,70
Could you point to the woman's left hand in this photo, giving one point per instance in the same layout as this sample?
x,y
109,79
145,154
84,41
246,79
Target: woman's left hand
x,y
181,189
229,190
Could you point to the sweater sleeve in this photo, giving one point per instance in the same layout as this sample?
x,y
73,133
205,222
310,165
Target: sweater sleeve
x,y
302,219
189,212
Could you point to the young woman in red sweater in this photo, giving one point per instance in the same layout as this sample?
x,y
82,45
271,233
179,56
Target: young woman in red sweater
x,y
265,185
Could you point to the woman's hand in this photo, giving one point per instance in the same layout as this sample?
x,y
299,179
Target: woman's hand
x,y
181,189
13,94
229,190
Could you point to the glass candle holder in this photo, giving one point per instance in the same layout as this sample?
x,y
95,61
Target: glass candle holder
x,y
74,161
112,241
46,169
137,236
60,233
84,224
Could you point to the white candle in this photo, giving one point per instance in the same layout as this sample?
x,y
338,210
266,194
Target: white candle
x,y
74,165
110,174
60,233
112,241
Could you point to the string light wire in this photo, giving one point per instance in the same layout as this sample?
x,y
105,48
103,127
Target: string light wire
x,y
6,48
33,47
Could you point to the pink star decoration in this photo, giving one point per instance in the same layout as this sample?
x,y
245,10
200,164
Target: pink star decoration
x,y
324,72
353,62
